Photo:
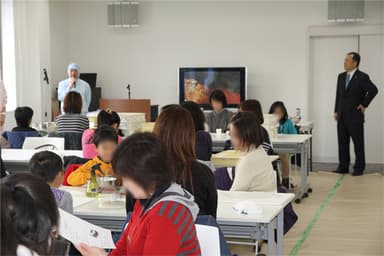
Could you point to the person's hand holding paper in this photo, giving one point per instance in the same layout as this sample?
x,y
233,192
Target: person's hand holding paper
x,y
85,235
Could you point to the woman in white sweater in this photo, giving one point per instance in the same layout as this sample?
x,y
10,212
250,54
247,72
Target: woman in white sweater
x,y
254,171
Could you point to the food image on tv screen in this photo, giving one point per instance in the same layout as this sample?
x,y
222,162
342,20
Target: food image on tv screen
x,y
198,85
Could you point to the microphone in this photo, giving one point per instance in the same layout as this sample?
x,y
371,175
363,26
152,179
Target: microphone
x,y
129,91
45,76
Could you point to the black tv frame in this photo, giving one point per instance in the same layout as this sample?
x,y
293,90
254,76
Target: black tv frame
x,y
243,82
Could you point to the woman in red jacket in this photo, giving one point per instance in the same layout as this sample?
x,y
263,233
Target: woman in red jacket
x,y
162,222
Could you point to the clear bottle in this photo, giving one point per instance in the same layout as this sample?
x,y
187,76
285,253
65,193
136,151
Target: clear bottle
x,y
93,186
297,117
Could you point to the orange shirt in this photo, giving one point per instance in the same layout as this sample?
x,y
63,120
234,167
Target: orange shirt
x,y
80,176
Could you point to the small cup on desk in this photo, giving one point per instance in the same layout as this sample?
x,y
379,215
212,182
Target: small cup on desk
x,y
219,131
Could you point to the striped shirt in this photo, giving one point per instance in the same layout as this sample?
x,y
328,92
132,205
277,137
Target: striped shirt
x,y
76,123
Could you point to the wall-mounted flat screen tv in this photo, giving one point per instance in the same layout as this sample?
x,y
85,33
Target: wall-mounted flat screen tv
x,y
196,84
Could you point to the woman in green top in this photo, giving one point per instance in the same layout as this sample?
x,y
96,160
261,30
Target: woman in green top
x,y
286,126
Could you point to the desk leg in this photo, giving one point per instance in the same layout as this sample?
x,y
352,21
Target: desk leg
x,y
303,173
271,239
310,154
280,232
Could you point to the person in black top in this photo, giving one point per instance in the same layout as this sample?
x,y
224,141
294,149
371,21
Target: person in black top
x,y
176,128
203,138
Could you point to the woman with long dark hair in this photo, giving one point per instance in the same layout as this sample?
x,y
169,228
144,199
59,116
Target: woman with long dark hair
x,y
203,138
176,128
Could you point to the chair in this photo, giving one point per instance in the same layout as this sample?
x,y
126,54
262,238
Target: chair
x,y
223,179
205,244
209,240
16,139
71,168
68,160
43,143
72,140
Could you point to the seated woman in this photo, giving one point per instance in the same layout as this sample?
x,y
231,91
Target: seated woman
x,y
286,126
72,123
162,222
29,216
203,138
254,171
220,117
72,120
254,107
223,179
105,117
175,127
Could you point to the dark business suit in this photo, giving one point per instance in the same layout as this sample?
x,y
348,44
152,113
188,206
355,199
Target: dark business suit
x,y
350,123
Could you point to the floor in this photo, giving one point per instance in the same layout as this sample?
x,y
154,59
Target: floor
x,y
343,216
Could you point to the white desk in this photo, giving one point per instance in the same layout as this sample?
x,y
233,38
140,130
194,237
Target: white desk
x,y
94,211
18,159
233,224
229,158
305,126
296,144
284,143
253,226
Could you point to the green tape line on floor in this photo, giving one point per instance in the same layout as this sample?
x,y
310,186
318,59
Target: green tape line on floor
x,y
316,217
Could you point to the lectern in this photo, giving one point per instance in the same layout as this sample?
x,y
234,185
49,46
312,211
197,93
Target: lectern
x,y
125,105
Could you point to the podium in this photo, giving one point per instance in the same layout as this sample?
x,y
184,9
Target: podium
x,y
130,106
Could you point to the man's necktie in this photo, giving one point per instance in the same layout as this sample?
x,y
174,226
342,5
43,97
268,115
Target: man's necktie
x,y
347,81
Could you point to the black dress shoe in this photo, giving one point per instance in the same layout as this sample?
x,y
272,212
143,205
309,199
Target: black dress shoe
x,y
357,173
340,172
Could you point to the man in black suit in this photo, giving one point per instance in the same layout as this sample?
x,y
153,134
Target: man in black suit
x,y
354,93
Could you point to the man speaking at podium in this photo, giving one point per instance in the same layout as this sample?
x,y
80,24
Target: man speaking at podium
x,y
74,83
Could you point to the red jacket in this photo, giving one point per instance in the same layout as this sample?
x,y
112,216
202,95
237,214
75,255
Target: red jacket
x,y
166,229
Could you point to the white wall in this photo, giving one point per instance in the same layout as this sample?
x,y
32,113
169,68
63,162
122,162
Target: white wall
x,y
59,35
270,38
32,50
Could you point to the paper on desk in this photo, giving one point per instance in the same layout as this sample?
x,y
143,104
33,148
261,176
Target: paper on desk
x,y
78,231
247,207
208,239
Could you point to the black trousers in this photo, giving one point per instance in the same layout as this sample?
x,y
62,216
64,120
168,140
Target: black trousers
x,y
345,131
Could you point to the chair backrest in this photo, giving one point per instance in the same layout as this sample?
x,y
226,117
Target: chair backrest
x,y
72,140
208,239
16,139
222,178
71,168
208,164
215,239
44,143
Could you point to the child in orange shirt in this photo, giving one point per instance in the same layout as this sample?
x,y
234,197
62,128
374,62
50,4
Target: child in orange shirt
x,y
105,141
